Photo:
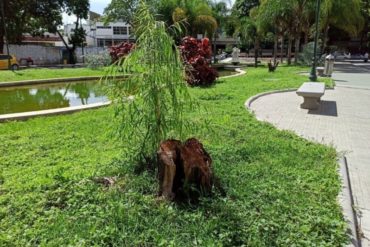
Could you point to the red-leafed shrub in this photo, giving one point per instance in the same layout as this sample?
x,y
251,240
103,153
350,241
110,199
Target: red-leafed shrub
x,y
121,50
196,55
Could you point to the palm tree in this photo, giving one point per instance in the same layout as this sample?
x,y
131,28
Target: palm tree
x,y
342,14
197,14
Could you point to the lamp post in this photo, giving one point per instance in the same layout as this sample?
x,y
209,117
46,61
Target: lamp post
x,y
313,76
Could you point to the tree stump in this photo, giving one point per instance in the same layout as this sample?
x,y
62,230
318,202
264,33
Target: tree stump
x,y
272,66
183,164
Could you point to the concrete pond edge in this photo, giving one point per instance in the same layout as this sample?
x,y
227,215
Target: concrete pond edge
x,y
55,80
345,197
240,72
22,116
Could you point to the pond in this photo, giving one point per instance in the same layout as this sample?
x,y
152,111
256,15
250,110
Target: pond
x,y
57,95
50,96
226,72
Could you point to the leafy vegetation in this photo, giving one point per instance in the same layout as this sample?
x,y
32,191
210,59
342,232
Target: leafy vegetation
x,y
34,74
280,190
196,56
120,50
151,101
98,61
305,57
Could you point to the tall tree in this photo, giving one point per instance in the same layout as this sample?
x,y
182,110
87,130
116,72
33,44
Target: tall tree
x,y
123,10
365,34
197,15
27,16
289,17
242,8
342,14
38,16
79,8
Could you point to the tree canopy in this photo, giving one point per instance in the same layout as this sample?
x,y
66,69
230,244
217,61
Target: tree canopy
x,y
37,16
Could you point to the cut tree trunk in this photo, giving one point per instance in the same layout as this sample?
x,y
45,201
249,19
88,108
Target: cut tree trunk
x,y
181,165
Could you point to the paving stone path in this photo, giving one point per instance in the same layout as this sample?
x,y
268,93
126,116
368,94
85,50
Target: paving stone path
x,y
342,121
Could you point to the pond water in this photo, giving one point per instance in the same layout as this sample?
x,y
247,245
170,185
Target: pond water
x,y
50,96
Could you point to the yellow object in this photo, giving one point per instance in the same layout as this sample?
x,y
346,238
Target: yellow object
x,y
65,61
4,62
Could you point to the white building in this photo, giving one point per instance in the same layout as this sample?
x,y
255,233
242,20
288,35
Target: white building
x,y
100,35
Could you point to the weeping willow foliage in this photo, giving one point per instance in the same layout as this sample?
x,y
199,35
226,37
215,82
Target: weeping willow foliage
x,y
151,102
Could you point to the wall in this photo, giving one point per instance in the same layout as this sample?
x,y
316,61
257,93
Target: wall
x,y
40,54
48,55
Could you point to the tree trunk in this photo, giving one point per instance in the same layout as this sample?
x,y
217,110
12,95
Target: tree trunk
x,y
1,44
297,49
306,38
70,52
325,39
276,40
256,49
289,55
282,49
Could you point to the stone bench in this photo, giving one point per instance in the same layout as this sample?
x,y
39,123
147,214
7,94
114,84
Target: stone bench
x,y
311,93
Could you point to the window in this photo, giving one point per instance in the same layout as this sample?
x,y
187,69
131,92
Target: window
x,y
130,30
104,42
120,30
104,27
101,42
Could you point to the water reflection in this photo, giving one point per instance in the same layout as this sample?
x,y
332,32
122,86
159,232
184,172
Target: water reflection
x,y
33,98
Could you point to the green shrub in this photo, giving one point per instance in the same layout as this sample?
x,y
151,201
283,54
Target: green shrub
x,y
306,56
95,61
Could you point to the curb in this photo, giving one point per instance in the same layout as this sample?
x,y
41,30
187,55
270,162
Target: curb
x,y
241,72
58,111
249,101
347,203
54,80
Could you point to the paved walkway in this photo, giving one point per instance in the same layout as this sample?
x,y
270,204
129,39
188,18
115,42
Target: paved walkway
x,y
355,74
342,121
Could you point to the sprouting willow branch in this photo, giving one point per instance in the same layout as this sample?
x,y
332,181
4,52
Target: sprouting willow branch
x,y
150,103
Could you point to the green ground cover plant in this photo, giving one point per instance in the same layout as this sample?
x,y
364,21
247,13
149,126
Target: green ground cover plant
x,y
34,74
280,190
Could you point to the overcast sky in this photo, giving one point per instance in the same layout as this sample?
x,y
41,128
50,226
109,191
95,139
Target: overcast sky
x,y
96,6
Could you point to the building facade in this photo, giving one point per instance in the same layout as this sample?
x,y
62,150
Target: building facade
x,y
100,35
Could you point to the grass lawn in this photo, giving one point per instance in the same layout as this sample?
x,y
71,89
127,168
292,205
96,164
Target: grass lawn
x,y
33,74
281,190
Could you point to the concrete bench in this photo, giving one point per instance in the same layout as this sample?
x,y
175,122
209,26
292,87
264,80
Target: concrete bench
x,y
311,93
